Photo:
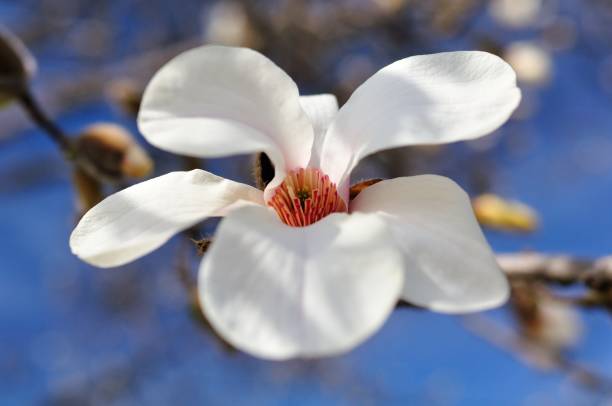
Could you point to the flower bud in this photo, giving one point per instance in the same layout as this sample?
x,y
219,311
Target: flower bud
x,y
560,326
126,94
547,322
494,212
227,23
515,13
17,66
88,191
531,62
390,7
109,152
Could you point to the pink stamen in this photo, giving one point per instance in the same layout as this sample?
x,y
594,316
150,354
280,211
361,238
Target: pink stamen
x,y
305,197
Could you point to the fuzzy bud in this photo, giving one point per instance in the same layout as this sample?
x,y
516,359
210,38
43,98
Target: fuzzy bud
x,y
531,62
126,94
505,215
227,23
515,13
17,66
547,322
109,152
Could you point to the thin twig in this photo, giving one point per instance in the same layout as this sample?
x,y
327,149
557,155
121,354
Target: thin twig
x,y
38,115
61,93
595,273
507,339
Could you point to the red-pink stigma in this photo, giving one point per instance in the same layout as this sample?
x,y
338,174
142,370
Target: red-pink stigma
x,y
305,197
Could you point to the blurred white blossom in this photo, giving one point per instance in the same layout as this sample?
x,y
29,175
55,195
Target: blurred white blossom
x,y
390,6
226,23
532,63
559,326
515,13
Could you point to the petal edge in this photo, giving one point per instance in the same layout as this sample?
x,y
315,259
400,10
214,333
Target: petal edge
x,y
424,99
299,292
135,221
450,267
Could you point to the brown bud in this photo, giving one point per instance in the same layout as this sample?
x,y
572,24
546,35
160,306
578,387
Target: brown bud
x,y
17,66
202,245
88,190
109,152
547,322
126,94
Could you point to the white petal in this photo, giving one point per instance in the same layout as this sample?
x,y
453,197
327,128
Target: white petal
x,y
426,99
279,292
217,101
137,220
321,109
449,265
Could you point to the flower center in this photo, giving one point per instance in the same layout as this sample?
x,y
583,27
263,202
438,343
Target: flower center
x,y
305,197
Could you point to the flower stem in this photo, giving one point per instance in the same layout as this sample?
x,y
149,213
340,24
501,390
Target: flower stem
x,y
37,114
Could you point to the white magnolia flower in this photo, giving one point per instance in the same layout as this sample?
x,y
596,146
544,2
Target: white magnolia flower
x,y
298,270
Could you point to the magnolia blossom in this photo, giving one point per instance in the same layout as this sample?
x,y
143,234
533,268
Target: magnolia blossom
x,y
298,269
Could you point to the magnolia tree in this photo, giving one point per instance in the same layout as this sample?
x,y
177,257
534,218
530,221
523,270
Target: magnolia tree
x,y
311,259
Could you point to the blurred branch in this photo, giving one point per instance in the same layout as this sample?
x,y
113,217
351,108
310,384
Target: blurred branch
x,y
189,281
37,114
564,270
535,354
90,85
596,274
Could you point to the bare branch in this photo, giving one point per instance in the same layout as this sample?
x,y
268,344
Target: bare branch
x,y
535,354
595,274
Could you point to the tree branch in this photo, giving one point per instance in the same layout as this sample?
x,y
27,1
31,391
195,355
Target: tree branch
x,y
38,115
595,274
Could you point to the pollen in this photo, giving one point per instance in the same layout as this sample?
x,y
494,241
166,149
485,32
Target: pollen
x,y
305,197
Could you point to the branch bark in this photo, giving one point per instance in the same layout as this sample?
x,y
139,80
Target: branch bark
x,y
595,274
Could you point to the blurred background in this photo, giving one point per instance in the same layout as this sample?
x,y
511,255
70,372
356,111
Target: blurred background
x,y
542,187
